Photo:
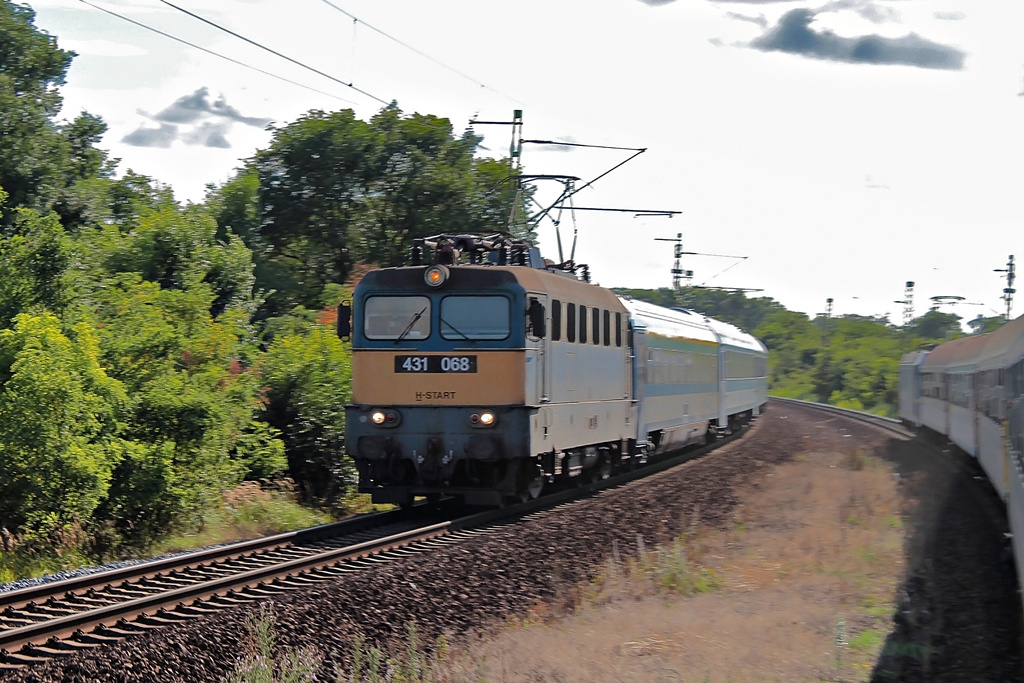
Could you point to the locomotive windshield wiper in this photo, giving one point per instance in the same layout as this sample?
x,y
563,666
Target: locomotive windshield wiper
x,y
408,328
455,329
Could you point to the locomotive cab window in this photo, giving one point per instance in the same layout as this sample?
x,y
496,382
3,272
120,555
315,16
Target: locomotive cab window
x,y
583,325
556,320
397,317
475,317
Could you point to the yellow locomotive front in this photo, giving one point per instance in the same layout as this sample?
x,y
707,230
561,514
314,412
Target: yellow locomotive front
x,y
439,383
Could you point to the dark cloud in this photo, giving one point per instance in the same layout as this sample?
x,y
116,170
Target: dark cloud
x,y
193,119
197,106
795,35
152,137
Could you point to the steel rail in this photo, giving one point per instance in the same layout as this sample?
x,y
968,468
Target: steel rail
x,y
78,584
888,423
36,633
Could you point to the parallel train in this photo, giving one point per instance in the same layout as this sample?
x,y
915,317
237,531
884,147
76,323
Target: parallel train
x,y
971,390
485,372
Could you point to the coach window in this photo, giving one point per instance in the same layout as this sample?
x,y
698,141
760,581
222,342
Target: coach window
x,y
583,324
475,317
570,322
556,320
396,317
595,325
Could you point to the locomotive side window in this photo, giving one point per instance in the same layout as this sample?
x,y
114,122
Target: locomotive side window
x,y
618,329
607,328
556,320
570,322
396,317
475,317
595,325
583,324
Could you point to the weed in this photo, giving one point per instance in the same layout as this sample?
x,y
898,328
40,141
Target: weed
x,y
869,640
261,665
894,522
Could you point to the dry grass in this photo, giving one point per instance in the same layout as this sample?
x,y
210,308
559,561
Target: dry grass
x,y
800,588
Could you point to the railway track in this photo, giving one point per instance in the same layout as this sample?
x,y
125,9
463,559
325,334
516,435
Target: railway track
x,y
886,423
57,619
53,619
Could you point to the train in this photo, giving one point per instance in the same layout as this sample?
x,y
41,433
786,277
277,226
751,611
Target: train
x,y
484,372
971,392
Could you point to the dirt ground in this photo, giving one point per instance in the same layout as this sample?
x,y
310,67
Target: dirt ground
x,y
827,573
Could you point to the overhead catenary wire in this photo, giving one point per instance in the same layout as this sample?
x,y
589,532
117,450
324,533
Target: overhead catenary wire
x,y
357,20
274,52
211,52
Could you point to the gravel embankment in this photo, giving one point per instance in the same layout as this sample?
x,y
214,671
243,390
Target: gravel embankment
x,y
471,588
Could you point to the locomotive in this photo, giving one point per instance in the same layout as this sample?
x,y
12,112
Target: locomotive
x,y
483,371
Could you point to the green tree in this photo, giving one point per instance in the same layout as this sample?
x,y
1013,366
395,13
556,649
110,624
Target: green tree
x,y
935,325
307,375
59,425
33,266
43,165
194,404
793,343
334,191
31,150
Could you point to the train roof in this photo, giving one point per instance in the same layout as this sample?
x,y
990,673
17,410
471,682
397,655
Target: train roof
x,y
467,276
668,322
957,355
679,323
990,351
734,336
914,357
1004,347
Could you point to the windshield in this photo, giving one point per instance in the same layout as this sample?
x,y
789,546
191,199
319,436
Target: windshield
x,y
475,317
397,317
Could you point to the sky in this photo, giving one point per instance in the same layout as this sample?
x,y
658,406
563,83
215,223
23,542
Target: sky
x,y
813,150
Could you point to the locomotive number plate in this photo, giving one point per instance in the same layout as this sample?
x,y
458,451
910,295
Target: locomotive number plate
x,y
435,364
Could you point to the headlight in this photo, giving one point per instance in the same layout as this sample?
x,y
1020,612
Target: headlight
x,y
384,417
483,418
435,276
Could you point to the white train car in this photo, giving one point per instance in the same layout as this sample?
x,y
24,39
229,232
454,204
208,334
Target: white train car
x,y
743,373
701,376
971,390
676,389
